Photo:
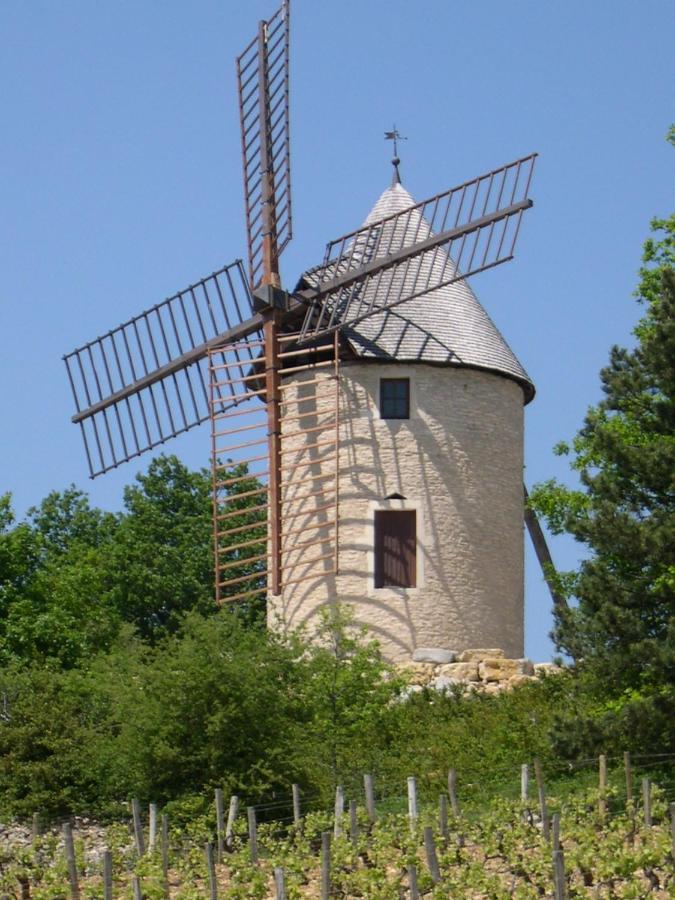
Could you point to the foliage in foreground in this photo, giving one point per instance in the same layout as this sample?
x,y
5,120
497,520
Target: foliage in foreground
x,y
221,704
119,677
501,853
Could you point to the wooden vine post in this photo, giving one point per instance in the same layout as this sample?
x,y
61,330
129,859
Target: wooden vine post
x,y
543,806
629,778
220,823
602,786
297,812
370,796
325,865
71,862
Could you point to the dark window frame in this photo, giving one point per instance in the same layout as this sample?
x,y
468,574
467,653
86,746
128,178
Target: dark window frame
x,y
392,406
395,548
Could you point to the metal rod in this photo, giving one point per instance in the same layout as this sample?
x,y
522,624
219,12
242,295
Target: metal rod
x,y
312,543
317,542
458,276
241,562
247,477
247,444
429,243
239,430
294,384
244,595
297,417
543,553
229,531
311,462
305,447
317,365
252,543
326,524
286,486
304,431
320,492
288,581
251,577
436,240
286,354
235,363
316,509
271,324
418,206
241,398
241,512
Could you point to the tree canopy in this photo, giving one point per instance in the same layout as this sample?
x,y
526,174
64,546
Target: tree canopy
x,y
72,575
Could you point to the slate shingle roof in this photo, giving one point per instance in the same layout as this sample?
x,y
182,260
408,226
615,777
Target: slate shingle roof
x,y
445,326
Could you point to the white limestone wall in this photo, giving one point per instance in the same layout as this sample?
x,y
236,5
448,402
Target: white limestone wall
x,y
458,461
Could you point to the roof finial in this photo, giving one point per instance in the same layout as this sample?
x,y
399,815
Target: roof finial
x,y
394,136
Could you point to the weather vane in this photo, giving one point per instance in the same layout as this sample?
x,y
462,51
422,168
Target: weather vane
x,y
395,136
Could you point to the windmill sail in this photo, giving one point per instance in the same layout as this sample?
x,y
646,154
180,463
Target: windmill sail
x,y
263,81
147,380
307,473
431,244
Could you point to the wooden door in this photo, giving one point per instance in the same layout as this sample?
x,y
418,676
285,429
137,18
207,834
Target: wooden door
x,y
395,548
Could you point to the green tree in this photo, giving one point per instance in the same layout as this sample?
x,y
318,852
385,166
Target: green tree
x,y
71,574
621,628
19,555
161,564
54,607
214,704
347,693
52,723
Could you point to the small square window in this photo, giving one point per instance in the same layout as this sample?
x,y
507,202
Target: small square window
x,y
395,398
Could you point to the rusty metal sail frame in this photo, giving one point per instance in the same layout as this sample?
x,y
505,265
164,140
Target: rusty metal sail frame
x,y
146,381
263,78
460,232
263,83
306,477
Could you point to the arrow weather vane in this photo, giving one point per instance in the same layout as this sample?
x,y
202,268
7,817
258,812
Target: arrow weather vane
x,y
395,136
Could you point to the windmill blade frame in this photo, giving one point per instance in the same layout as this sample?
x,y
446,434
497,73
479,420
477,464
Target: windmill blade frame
x,y
264,112
146,381
249,557
446,238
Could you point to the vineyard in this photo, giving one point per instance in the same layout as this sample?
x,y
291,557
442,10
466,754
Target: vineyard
x,y
612,838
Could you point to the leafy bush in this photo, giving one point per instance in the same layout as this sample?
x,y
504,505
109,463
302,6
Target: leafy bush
x,y
222,704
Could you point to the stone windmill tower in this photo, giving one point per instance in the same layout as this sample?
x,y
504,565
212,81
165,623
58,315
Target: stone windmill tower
x,y
430,422
366,427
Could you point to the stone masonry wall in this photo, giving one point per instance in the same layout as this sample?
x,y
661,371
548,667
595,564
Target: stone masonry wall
x,y
458,462
486,670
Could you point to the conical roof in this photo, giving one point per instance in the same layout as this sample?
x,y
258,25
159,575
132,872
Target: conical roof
x,y
444,326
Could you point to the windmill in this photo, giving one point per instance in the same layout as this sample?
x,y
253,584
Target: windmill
x,y
263,364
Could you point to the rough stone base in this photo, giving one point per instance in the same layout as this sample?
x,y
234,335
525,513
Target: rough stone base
x,y
485,670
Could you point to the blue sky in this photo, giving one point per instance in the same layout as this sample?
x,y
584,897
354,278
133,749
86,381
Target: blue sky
x,y
120,182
